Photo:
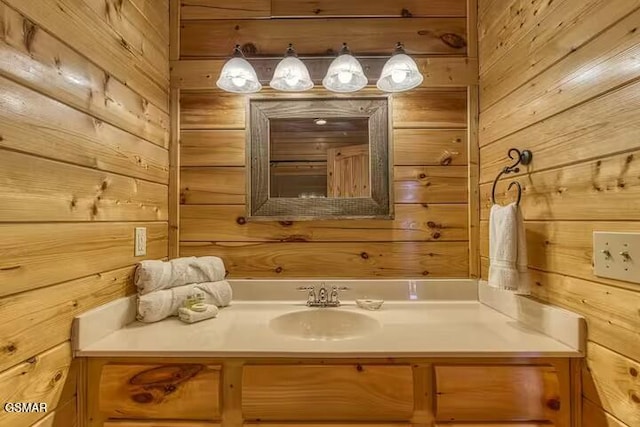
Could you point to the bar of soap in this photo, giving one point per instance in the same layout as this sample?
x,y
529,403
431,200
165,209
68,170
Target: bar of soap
x,y
199,307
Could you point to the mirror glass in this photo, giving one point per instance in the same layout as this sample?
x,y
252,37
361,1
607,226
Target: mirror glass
x,y
319,157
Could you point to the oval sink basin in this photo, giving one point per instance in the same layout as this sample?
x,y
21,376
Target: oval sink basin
x,y
324,324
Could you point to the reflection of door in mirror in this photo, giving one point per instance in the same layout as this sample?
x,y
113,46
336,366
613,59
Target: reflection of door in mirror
x,y
319,157
348,171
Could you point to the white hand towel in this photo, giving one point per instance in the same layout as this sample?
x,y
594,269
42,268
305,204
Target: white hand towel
x,y
190,316
162,304
508,249
153,275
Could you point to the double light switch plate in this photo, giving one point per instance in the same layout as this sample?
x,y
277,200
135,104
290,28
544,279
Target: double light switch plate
x,y
617,255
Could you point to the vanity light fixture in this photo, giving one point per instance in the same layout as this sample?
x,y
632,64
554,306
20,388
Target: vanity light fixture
x,y
345,73
320,122
291,74
238,75
400,73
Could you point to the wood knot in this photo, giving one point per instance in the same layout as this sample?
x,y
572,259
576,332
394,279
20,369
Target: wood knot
x,y
11,348
633,372
422,176
359,368
241,220
635,398
446,161
104,185
436,235
629,158
29,30
453,40
553,404
170,388
364,255
317,11
278,270
425,273
405,13
58,376
285,223
142,397
431,224
249,49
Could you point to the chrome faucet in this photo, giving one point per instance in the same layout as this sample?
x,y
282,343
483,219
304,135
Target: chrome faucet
x,y
323,297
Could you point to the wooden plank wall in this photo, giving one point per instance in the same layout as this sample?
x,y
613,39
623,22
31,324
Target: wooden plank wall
x,y
84,132
561,78
430,234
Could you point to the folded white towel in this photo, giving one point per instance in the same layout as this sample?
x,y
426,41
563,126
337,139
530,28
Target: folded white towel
x,y
162,304
153,275
190,316
508,249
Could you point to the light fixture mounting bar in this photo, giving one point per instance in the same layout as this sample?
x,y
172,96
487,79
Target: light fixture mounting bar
x,y
317,67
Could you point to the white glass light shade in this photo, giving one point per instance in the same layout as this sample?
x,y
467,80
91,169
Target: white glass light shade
x,y
238,76
345,75
291,75
399,74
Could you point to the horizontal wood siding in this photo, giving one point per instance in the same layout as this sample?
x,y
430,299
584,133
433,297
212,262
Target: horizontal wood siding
x,y
556,78
430,233
84,133
424,36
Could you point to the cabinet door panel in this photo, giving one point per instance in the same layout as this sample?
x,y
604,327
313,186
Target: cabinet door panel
x,y
497,393
159,424
179,391
323,393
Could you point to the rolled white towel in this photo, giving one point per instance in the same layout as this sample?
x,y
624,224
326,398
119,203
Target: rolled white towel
x,y
162,304
190,316
154,275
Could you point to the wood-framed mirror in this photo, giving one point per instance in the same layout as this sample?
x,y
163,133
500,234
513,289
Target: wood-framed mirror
x,y
319,158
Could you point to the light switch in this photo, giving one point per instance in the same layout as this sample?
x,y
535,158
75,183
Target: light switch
x,y
617,255
141,241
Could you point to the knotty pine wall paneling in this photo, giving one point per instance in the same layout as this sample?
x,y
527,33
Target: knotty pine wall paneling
x,y
561,79
84,132
429,236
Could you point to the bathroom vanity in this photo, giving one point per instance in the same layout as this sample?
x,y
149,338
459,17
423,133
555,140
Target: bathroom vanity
x,y
273,363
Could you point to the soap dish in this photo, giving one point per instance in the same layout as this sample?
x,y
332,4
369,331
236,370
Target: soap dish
x,y
370,304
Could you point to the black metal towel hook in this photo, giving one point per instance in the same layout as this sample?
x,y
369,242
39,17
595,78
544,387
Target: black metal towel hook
x,y
520,158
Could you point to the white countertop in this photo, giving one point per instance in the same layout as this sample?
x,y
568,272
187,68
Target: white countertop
x,y
407,329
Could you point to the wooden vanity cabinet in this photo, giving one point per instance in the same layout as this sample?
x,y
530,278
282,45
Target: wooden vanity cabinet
x,y
138,392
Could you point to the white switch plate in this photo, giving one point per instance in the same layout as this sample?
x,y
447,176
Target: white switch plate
x,y
141,241
617,255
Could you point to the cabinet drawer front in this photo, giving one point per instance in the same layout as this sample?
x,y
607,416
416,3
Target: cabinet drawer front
x,y
497,393
340,393
182,391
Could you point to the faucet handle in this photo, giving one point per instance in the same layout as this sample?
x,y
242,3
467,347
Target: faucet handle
x,y
311,298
